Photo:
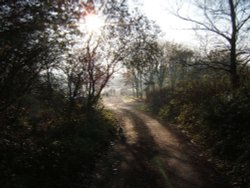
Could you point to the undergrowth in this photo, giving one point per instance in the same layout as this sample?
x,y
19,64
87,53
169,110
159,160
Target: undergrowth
x,y
48,151
216,116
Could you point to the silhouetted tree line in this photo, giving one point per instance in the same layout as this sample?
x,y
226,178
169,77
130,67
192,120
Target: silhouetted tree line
x,y
52,73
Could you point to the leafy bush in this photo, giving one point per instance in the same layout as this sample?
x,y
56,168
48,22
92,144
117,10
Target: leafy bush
x,y
53,151
214,113
157,99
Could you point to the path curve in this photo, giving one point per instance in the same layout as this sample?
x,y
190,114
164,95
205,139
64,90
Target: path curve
x,y
152,154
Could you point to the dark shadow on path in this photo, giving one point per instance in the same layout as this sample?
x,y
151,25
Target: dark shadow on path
x,y
144,159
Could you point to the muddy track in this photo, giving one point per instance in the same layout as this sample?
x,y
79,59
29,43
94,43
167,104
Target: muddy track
x,y
151,154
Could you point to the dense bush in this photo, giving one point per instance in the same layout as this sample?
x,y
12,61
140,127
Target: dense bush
x,y
216,115
43,148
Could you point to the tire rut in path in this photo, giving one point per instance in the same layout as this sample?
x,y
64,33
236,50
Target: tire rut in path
x,y
150,154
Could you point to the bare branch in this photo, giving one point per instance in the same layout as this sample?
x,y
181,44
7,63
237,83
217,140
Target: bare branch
x,y
206,27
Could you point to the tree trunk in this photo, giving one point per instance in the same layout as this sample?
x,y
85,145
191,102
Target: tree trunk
x,y
233,59
140,85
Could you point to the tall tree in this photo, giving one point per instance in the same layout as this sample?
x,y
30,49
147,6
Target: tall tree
x,y
142,60
31,41
99,51
227,21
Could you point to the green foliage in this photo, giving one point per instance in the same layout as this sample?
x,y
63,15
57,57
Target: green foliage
x,y
157,99
43,148
216,115
228,116
230,109
52,131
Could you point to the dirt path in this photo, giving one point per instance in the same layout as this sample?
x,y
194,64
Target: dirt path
x,y
150,154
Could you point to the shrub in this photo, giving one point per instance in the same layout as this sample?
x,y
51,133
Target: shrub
x,y
218,116
62,152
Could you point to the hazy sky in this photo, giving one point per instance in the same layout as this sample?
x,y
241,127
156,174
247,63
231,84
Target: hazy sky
x,y
174,28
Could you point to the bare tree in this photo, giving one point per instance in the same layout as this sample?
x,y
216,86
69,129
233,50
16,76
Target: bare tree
x,y
95,57
227,21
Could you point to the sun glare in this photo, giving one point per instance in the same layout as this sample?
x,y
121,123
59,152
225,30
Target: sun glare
x,y
91,23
